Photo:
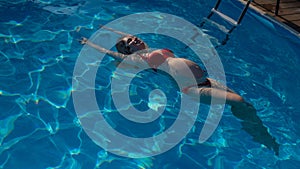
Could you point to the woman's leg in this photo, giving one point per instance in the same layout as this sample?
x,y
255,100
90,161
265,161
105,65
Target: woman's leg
x,y
251,123
220,96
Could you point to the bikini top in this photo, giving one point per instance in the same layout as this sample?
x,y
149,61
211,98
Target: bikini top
x,y
157,57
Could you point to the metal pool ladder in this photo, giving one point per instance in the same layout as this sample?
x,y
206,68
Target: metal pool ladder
x,y
228,19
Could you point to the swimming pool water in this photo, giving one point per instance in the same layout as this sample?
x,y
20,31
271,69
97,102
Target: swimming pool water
x,y
38,124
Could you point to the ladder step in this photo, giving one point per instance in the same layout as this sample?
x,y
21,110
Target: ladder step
x,y
225,17
215,24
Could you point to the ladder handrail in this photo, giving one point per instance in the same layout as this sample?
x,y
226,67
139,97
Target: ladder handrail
x,y
244,12
227,18
217,4
234,22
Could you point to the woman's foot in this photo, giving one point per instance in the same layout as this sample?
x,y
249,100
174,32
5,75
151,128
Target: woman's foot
x,y
253,125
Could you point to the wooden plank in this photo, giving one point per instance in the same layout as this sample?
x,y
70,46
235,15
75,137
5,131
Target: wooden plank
x,y
289,5
288,12
294,17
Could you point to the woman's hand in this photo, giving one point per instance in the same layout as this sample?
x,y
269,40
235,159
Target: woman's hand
x,y
83,41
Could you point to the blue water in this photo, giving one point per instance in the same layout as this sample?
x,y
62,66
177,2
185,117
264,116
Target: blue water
x,y
38,124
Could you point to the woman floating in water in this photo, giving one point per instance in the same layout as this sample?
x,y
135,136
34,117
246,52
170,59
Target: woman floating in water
x,y
135,51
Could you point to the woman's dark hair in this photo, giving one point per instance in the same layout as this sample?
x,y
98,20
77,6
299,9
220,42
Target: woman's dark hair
x,y
124,49
121,47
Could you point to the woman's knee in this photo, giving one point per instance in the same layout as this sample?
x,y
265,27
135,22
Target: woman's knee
x,y
233,98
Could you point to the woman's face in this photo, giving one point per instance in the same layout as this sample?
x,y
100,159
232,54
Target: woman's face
x,y
131,44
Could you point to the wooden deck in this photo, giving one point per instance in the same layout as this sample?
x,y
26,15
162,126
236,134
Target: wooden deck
x,y
288,11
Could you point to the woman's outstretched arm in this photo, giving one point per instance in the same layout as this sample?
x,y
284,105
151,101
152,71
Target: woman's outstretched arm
x,y
115,55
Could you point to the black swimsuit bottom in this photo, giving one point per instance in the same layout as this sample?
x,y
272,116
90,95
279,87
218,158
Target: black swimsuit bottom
x,y
206,83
